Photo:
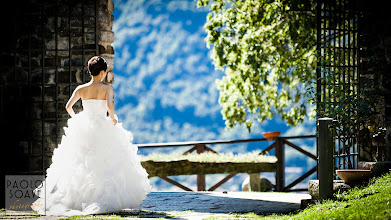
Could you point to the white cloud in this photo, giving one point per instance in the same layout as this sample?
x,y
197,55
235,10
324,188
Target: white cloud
x,y
305,128
166,58
173,6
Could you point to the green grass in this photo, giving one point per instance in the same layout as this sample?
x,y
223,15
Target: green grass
x,y
211,157
371,201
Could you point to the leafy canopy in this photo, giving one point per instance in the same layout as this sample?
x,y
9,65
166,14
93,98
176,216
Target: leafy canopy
x,y
266,49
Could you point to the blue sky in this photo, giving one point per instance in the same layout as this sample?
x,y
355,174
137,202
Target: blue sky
x,y
165,88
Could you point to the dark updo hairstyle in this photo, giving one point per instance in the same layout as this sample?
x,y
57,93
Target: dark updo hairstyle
x,y
96,64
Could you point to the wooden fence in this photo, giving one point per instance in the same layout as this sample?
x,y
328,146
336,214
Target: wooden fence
x,y
278,144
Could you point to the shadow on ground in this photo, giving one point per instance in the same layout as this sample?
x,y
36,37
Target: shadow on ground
x,y
218,202
192,205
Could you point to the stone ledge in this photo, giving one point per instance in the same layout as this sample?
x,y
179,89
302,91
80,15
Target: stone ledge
x,y
186,167
313,187
377,168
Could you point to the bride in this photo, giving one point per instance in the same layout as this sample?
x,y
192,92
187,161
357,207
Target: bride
x,y
96,168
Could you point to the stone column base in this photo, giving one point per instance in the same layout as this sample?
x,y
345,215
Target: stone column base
x,y
313,187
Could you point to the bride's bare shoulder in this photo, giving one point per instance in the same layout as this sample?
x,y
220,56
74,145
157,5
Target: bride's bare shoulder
x,y
83,85
108,86
81,88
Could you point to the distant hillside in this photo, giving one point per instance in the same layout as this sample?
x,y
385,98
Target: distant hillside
x,y
165,81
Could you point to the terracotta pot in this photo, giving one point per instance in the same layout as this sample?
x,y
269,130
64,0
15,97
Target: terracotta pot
x,y
271,135
353,175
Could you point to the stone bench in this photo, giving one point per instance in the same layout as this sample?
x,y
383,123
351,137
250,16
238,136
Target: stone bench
x,y
185,167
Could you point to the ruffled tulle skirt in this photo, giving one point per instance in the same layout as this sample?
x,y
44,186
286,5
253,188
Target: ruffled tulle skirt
x,y
94,170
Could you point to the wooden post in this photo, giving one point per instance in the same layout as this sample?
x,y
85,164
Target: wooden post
x,y
280,172
200,176
325,158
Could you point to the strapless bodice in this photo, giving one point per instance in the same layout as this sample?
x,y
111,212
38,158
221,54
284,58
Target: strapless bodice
x,y
95,107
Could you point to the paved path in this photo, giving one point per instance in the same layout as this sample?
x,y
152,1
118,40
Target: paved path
x,y
216,203
204,204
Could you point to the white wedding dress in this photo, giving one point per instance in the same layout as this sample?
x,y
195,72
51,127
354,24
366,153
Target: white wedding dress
x,y
95,169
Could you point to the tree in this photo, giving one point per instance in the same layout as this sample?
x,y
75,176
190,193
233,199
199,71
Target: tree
x,y
266,49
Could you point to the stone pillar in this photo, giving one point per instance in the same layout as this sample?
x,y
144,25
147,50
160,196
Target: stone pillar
x,y
387,86
375,66
106,35
255,182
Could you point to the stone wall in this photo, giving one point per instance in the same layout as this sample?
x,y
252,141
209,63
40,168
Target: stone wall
x,y
106,35
44,54
375,29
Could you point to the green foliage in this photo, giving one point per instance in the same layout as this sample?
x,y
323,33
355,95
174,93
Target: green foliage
x,y
266,49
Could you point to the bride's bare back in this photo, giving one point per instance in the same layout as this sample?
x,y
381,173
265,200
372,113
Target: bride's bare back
x,y
93,91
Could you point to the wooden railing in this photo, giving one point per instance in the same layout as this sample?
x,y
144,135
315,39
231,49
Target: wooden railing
x,y
278,144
